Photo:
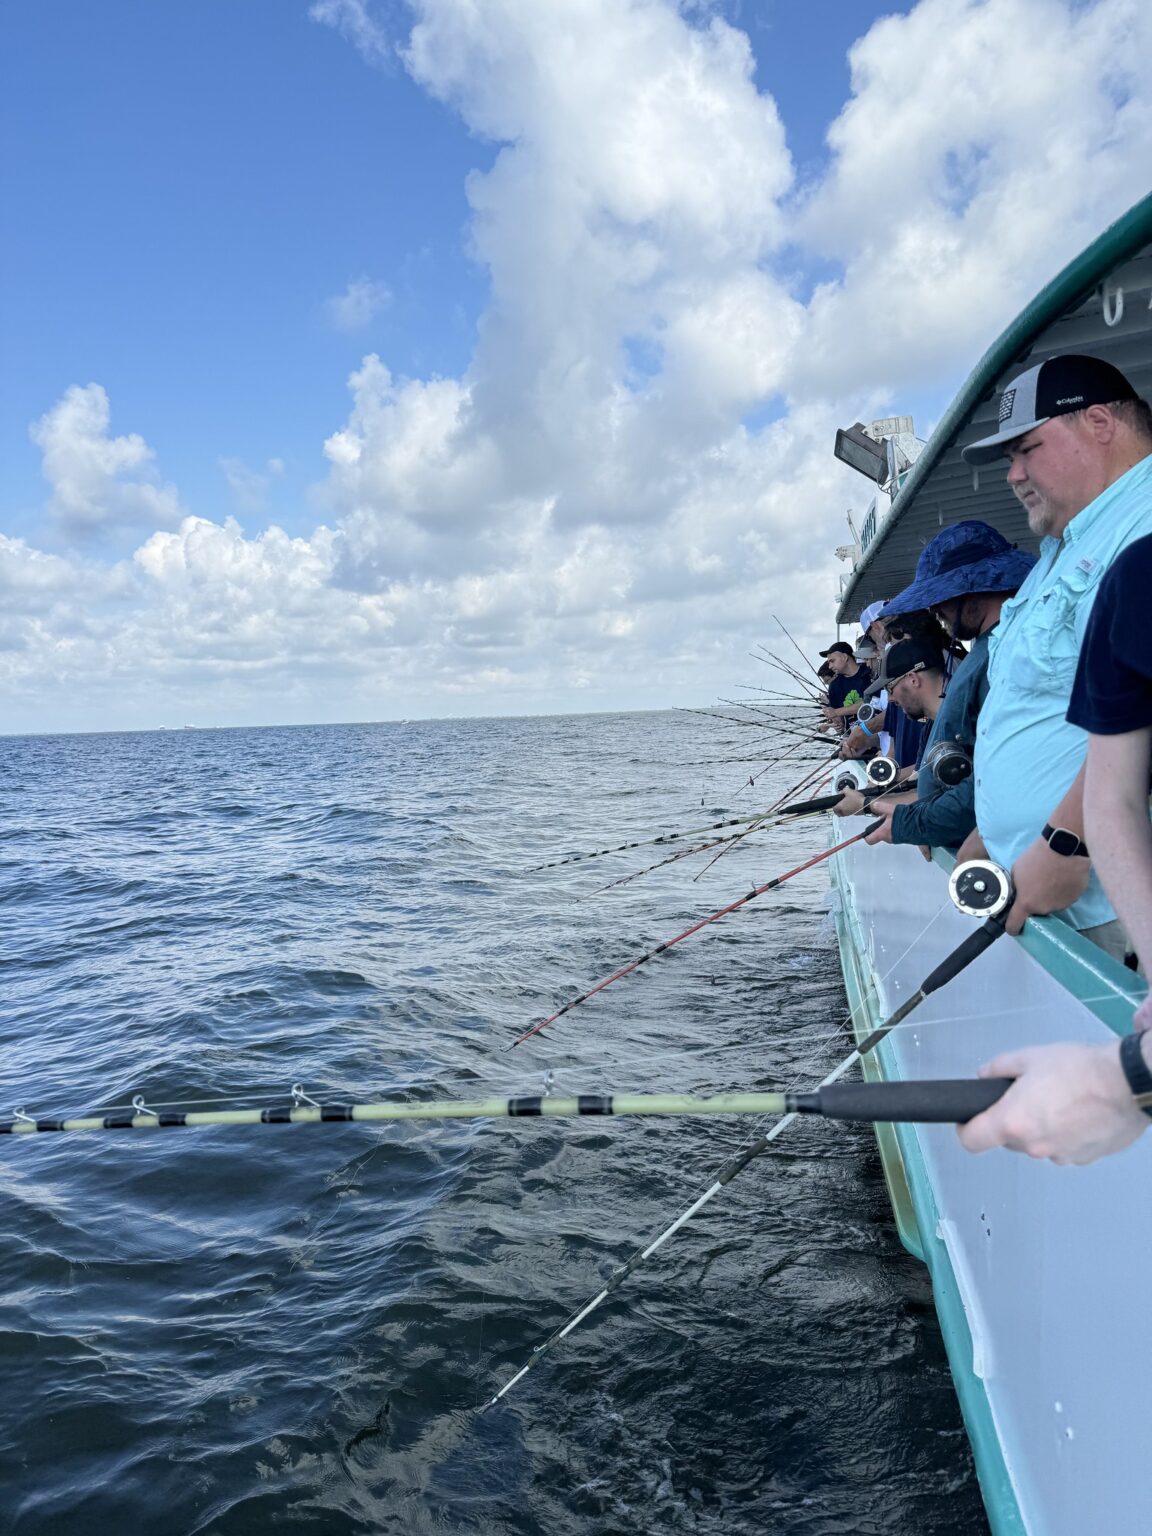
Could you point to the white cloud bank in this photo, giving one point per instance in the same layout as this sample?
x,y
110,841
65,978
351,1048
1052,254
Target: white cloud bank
x,y
585,513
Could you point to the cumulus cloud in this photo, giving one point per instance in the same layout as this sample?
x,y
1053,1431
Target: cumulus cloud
x,y
634,470
98,481
965,176
359,304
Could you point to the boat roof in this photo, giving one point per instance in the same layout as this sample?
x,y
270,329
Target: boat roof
x,y
1101,303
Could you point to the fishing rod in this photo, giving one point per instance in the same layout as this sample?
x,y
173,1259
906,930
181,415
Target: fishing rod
x,y
979,888
759,890
798,678
785,817
930,1101
769,658
802,654
801,808
808,808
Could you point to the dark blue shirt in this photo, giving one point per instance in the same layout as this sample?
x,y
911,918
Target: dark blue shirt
x,y
908,736
841,687
1112,692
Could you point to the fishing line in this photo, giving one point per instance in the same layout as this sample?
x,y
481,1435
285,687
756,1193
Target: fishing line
x,y
971,884
661,948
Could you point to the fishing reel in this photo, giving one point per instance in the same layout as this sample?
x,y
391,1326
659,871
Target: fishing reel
x,y
868,712
882,771
981,888
949,763
850,776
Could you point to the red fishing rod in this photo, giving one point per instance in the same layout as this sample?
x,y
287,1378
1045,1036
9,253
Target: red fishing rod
x,y
626,970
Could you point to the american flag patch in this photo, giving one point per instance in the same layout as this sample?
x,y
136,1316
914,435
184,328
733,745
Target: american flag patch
x,y
1007,400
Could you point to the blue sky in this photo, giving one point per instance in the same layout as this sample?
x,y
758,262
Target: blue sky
x,y
596,248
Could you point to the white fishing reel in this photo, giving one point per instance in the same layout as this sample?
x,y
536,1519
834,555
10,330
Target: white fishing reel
x,y
949,763
882,771
981,888
850,776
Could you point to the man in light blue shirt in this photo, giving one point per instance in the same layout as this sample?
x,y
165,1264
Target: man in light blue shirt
x,y
1079,446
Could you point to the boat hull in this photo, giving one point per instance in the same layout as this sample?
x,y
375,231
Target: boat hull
x,y
1040,1274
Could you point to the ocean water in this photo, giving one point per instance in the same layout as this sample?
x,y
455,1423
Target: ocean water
x,y
243,1330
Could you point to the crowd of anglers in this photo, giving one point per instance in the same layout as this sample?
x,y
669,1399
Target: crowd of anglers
x,y
1015,694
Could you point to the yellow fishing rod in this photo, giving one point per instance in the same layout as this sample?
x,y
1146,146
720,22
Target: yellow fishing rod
x,y
951,1101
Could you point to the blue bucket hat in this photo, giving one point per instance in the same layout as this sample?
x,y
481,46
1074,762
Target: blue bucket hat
x,y
962,558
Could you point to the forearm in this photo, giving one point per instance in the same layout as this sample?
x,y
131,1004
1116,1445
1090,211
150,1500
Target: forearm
x,y
1118,831
943,820
1070,811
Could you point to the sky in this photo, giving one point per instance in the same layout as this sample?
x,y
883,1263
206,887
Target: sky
x,y
372,359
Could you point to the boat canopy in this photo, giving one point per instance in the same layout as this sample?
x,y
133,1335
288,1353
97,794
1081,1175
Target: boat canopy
x,y
1101,304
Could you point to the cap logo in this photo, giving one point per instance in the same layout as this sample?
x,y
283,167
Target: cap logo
x,y
1071,400
1007,401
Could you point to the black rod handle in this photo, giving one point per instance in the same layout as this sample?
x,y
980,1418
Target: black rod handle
x,y
802,807
944,1101
964,954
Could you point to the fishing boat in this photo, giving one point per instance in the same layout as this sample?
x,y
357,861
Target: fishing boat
x,y
1039,1273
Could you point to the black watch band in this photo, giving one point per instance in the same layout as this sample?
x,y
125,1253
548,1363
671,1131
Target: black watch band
x,y
1063,842
1136,1070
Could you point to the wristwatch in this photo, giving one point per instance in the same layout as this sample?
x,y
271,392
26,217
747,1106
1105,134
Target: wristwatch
x,y
1063,842
1136,1071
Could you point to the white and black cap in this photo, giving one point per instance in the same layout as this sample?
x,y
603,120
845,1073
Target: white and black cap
x,y
1058,387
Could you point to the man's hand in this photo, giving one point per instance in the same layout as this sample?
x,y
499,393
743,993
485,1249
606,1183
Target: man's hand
x,y
851,805
1045,882
972,847
882,834
1070,1103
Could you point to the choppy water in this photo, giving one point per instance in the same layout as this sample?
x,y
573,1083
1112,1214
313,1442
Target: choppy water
x,y
229,1331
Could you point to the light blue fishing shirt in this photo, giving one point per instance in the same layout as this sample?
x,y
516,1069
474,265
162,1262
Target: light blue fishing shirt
x,y
1027,753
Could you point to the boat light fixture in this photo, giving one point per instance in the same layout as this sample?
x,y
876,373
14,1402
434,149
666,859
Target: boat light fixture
x,y
855,448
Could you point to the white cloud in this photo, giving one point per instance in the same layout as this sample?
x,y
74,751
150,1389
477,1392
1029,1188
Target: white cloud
x,y
966,175
359,304
98,481
249,487
584,508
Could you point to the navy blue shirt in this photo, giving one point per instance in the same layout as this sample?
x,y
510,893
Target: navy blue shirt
x,y
840,688
908,736
1112,692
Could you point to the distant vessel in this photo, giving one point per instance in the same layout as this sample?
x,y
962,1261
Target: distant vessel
x,y
1040,1274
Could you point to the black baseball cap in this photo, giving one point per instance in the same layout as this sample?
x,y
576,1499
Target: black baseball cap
x,y
904,657
840,645
1071,382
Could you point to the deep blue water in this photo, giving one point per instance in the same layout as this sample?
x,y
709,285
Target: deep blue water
x,y
240,1330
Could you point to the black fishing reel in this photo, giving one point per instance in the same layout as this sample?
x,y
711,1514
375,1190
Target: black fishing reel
x,y
949,763
850,776
882,771
981,888
868,712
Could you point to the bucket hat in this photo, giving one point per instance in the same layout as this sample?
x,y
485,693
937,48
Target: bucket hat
x,y
962,558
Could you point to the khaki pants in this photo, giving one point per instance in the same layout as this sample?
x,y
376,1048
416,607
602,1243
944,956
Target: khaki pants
x,y
1110,937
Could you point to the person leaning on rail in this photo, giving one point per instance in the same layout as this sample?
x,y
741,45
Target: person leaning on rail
x,y
913,676
1073,1103
906,735
849,680
965,575
1079,449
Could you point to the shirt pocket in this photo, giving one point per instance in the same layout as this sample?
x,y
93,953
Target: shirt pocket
x,y
1054,627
